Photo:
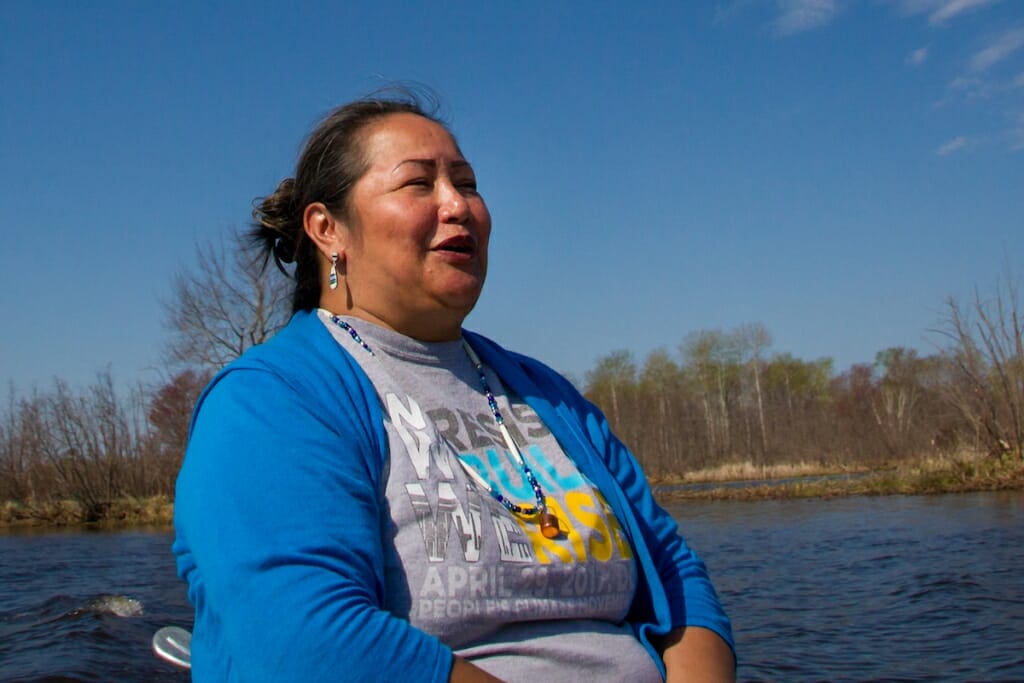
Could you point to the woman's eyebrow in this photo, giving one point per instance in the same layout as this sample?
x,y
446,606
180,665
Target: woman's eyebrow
x,y
432,163
425,162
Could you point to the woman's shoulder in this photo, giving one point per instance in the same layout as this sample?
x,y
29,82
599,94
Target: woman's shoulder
x,y
300,345
301,359
513,366
496,353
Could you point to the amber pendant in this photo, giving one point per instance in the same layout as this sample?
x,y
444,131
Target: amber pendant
x,y
549,525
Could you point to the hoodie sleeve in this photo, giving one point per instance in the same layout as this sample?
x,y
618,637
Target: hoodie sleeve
x,y
279,515
689,595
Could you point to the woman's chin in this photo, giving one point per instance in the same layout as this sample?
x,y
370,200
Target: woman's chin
x,y
463,301
461,290
460,302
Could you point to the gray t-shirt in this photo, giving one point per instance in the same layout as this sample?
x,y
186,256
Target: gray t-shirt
x,y
462,567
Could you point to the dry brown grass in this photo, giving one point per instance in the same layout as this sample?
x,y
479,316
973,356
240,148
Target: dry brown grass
x,y
33,513
150,511
909,477
748,471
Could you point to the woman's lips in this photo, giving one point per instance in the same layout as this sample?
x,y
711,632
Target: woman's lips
x,y
462,245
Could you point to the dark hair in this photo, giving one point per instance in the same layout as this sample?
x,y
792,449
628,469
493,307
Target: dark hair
x,y
331,162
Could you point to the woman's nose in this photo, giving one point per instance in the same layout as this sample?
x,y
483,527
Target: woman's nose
x,y
453,206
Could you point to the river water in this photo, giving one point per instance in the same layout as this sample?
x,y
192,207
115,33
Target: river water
x,y
927,588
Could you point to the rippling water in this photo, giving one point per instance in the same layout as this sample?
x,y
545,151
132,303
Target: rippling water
x,y
856,589
922,588
82,606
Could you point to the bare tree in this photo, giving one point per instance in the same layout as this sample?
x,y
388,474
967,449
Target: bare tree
x,y
987,353
169,415
898,394
15,483
660,387
614,376
797,401
91,444
27,441
229,302
754,338
711,356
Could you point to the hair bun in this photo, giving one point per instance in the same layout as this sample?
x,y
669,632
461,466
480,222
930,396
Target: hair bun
x,y
284,249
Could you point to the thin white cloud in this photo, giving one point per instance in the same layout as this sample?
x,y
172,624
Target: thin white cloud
x,y
967,83
797,16
941,11
918,57
974,87
727,12
956,144
1000,48
951,8
911,7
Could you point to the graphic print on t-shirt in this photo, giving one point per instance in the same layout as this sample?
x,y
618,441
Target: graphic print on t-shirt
x,y
460,566
586,572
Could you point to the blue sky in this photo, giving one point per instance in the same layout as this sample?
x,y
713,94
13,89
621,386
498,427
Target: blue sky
x,y
833,169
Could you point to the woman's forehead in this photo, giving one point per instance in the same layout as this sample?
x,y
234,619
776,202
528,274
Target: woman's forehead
x,y
403,138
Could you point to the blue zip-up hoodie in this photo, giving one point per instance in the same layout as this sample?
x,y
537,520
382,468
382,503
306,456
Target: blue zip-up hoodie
x,y
280,509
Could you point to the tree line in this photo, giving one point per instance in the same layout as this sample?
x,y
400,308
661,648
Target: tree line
x,y
723,398
719,397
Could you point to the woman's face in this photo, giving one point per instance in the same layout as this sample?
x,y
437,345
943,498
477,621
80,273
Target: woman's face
x,y
415,256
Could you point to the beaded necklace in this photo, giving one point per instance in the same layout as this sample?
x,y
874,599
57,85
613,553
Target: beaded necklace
x,y
548,521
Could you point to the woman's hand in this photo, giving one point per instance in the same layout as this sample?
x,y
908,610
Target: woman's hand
x,y
697,654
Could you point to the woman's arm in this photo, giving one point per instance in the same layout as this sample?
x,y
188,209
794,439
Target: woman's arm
x,y
689,593
695,654
279,514
464,672
690,596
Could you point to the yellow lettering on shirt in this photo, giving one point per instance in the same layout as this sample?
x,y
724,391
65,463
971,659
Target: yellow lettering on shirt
x,y
584,509
613,524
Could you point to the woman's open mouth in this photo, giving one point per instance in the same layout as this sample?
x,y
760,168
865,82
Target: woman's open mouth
x,y
463,246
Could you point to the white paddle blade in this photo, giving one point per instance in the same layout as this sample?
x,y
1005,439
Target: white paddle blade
x,y
174,644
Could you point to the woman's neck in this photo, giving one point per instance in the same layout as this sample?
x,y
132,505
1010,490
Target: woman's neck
x,y
428,327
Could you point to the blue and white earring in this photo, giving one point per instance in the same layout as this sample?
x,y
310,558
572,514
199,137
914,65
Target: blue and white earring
x,y
332,280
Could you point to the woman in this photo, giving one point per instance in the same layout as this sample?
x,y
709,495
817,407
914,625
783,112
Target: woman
x,y
377,494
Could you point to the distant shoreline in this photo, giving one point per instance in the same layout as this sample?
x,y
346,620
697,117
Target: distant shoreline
x,y
148,511
920,476
732,482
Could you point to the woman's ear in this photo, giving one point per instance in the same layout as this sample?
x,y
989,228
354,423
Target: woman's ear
x,y
328,233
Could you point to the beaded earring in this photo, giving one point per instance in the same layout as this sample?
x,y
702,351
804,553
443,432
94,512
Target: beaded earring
x,y
333,278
